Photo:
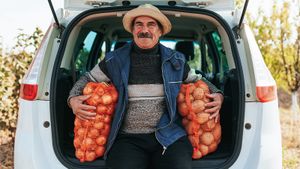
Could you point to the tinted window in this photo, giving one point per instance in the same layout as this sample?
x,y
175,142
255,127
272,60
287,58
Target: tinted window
x,y
84,52
221,53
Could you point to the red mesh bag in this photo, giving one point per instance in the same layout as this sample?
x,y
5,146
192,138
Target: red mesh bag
x,y
91,135
203,133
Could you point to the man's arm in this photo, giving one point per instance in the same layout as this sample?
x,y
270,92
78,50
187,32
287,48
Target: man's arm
x,y
97,74
76,99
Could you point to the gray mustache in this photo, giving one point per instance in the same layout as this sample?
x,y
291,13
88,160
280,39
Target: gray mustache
x,y
144,35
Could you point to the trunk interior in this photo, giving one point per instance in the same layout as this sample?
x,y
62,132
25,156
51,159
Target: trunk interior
x,y
89,37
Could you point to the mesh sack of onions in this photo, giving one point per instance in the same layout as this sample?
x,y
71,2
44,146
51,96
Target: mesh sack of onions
x,y
203,133
91,135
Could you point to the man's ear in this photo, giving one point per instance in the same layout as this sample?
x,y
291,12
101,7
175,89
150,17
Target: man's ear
x,y
160,32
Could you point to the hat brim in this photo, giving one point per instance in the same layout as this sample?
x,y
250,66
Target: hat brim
x,y
131,15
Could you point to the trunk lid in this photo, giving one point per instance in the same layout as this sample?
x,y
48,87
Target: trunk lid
x,y
216,5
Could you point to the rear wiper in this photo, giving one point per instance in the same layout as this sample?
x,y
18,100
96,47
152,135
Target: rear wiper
x,y
238,27
60,27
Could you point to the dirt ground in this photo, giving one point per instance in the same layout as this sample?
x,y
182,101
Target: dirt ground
x,y
290,142
6,156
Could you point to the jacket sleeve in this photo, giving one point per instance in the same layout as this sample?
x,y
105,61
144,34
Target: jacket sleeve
x,y
97,74
190,76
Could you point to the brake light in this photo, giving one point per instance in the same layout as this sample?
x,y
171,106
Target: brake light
x,y
266,93
29,85
28,91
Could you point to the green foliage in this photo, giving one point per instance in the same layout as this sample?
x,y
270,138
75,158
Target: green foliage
x,y
239,3
278,37
12,69
81,60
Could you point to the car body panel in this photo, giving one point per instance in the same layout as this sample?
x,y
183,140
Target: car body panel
x,y
33,143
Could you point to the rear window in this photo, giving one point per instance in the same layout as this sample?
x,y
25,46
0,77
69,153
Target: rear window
x,y
84,52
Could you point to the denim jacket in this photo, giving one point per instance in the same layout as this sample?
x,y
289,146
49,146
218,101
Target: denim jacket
x,y
169,128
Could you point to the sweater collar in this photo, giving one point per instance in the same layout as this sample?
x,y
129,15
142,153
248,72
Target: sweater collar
x,y
150,51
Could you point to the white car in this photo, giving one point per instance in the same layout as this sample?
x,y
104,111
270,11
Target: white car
x,y
216,43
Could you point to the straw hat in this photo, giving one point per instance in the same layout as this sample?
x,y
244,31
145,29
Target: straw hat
x,y
146,10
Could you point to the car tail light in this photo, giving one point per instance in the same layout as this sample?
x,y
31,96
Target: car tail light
x,y
28,91
29,85
266,89
266,93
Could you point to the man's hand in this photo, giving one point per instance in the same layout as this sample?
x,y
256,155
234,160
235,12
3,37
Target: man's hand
x,y
214,106
81,110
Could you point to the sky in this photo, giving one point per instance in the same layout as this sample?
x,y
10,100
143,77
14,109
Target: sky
x,y
29,14
23,14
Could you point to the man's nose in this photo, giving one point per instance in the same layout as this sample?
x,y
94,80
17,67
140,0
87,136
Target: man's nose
x,y
145,29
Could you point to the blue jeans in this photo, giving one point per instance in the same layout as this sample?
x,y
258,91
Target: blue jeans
x,y
142,151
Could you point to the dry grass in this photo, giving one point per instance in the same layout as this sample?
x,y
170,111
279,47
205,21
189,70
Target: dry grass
x,y
6,156
290,140
290,130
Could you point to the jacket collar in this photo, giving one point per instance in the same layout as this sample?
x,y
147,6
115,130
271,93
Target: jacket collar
x,y
124,56
165,53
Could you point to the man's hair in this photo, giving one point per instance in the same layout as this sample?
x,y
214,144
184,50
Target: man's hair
x,y
158,23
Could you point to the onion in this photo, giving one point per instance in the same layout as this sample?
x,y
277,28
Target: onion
x,y
185,121
86,123
114,95
183,88
196,154
80,154
202,117
81,132
101,109
98,125
198,106
101,140
183,109
100,151
217,132
93,133
99,90
204,149
192,88
207,138
180,98
202,85
191,98
106,99
212,147
194,141
110,109
105,130
94,100
89,88
198,93
77,122
192,128
77,142
209,125
90,156
107,119
88,142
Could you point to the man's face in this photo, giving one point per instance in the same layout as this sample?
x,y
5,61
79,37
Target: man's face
x,y
146,32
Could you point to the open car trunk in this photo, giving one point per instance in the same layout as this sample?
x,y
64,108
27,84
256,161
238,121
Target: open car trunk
x,y
97,31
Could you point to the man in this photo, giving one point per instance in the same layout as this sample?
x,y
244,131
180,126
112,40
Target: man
x,y
146,131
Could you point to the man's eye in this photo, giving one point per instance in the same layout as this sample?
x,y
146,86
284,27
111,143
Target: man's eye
x,y
152,25
138,25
